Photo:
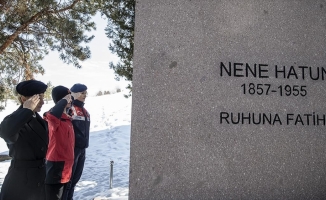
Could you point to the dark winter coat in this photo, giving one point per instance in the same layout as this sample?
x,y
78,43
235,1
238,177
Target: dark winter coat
x,y
27,139
60,155
81,122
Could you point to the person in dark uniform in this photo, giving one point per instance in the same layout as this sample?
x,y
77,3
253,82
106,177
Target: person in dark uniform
x,y
26,136
81,122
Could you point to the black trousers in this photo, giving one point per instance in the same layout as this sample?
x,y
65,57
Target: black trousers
x,y
77,171
54,191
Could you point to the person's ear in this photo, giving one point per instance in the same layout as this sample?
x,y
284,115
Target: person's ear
x,y
23,98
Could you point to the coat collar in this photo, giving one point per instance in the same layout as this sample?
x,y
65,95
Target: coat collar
x,y
78,103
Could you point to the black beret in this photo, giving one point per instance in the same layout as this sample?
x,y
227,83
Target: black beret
x,y
78,88
31,87
59,92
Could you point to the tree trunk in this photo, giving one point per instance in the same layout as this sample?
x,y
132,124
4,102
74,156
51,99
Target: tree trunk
x,y
28,75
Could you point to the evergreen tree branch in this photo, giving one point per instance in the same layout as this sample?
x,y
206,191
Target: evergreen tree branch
x,y
33,19
19,30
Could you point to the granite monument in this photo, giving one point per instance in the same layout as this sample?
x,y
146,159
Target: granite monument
x,y
228,100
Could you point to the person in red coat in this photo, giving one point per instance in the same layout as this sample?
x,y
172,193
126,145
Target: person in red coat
x,y
26,136
60,155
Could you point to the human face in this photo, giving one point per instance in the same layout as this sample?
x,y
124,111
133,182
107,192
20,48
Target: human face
x,y
82,96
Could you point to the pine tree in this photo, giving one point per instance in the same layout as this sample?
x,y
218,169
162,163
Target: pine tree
x,y
2,96
30,28
99,93
48,92
120,29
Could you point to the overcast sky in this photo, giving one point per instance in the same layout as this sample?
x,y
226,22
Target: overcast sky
x,y
95,72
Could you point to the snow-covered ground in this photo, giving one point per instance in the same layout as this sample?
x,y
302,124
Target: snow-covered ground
x,y
109,141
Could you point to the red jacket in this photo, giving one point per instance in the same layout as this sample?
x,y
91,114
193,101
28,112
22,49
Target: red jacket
x,y
60,155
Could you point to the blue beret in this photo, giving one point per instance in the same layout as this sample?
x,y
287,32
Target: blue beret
x,y
31,87
78,88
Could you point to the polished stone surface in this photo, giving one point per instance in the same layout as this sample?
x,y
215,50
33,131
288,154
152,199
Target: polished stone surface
x,y
228,100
